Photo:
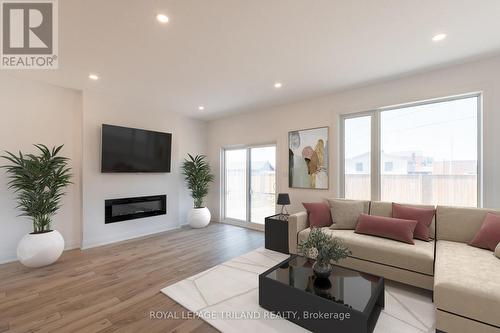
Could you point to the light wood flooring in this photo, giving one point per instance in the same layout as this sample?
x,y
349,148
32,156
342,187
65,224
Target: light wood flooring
x,y
113,288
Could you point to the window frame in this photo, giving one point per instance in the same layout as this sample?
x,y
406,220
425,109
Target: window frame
x,y
376,152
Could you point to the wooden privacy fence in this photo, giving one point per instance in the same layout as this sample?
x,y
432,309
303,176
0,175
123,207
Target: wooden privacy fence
x,y
456,190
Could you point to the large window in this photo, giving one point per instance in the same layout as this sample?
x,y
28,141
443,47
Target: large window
x,y
250,183
420,153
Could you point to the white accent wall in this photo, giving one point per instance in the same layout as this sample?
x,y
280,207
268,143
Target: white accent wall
x,y
188,136
273,124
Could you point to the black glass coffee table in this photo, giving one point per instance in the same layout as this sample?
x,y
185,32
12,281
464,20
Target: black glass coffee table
x,y
348,301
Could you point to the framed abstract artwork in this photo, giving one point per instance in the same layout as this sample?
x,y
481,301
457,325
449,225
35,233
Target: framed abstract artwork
x,y
308,158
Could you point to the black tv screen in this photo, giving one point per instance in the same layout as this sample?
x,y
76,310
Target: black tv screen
x,y
134,150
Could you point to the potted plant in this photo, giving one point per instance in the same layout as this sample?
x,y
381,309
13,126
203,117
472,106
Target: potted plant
x,y
196,171
324,248
39,182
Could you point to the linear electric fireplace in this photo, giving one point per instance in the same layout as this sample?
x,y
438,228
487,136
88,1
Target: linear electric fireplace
x,y
116,210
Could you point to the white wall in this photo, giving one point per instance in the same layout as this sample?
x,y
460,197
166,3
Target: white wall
x,y
273,124
39,113
188,136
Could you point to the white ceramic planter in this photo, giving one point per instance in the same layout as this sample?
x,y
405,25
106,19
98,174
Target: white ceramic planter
x,y
199,217
37,250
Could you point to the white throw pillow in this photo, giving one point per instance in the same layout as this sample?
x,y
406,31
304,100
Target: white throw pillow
x,y
345,213
497,250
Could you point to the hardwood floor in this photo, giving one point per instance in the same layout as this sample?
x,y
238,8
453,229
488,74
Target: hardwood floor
x,y
115,287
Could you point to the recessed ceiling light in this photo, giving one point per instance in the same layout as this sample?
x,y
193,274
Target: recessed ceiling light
x,y
278,85
162,18
438,37
93,77
201,108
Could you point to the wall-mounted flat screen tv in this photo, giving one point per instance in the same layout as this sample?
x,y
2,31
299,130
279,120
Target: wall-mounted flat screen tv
x,y
134,150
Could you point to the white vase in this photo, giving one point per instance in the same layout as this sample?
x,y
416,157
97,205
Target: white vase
x,y
199,217
37,250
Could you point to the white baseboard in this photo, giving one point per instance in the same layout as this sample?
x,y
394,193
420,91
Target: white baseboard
x,y
6,258
123,237
71,245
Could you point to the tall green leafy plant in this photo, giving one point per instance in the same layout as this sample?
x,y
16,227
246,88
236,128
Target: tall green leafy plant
x,y
38,182
197,174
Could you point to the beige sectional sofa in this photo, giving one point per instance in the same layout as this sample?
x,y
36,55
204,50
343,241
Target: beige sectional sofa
x,y
465,279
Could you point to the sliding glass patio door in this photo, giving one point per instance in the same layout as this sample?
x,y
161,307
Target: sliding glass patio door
x,y
250,183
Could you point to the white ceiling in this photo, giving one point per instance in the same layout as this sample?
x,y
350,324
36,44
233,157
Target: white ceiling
x,y
227,54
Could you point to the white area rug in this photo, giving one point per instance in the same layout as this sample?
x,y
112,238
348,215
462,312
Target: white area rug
x,y
227,297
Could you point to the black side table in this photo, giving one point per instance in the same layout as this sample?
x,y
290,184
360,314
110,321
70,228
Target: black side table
x,y
276,233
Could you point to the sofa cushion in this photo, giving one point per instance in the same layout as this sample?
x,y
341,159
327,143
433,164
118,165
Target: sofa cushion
x,y
488,235
466,281
423,216
366,203
418,258
388,227
460,224
345,213
382,208
318,213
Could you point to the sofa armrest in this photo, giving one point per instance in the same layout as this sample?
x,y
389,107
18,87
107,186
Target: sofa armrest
x,y
296,223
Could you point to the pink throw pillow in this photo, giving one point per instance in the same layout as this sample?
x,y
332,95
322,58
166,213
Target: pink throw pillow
x,y
423,216
488,235
388,227
319,214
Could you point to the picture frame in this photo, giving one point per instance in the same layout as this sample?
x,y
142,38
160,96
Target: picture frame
x,y
308,158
